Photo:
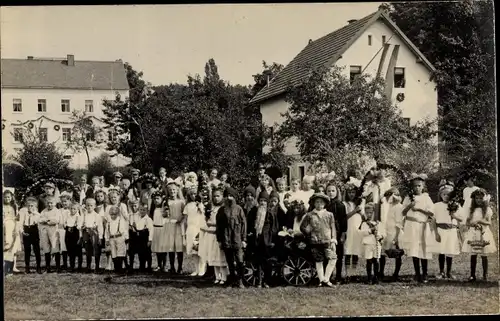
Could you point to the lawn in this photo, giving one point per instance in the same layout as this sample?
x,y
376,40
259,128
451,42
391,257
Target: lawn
x,y
89,296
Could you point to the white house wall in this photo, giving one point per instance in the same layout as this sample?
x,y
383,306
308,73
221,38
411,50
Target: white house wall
x,y
53,99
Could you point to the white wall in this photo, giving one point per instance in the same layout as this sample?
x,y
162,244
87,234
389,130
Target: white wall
x,y
53,98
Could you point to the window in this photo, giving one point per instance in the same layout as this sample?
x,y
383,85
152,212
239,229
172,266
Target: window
x,y
111,135
302,172
66,134
399,77
42,105
43,134
383,39
89,106
18,135
90,136
354,72
17,105
369,40
65,106
406,121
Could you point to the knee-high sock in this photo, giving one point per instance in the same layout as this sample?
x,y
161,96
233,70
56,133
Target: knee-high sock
x,y
441,259
369,264
473,263
399,262
449,262
180,260
416,265
329,269
320,271
375,267
484,261
47,260
424,266
382,265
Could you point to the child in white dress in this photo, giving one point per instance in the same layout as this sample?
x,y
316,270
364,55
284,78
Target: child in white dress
x,y
392,220
447,222
372,233
210,250
479,238
194,217
353,244
418,235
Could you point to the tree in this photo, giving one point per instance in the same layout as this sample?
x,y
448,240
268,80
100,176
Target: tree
x,y
458,38
328,114
85,135
39,159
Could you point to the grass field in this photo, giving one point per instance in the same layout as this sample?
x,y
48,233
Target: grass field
x,y
83,296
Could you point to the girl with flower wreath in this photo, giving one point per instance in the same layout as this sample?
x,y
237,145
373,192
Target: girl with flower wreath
x,y
479,239
448,218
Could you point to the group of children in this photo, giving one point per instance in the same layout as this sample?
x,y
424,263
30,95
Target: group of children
x,y
200,216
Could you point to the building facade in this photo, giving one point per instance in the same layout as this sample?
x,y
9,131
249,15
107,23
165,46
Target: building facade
x,y
41,95
373,45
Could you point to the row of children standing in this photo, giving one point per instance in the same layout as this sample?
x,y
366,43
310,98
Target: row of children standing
x,y
361,228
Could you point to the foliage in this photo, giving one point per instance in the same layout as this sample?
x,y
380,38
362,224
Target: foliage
x,y
330,116
40,159
458,38
85,135
200,125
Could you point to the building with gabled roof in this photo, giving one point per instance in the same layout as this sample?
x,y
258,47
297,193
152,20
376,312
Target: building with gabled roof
x,y
372,45
42,93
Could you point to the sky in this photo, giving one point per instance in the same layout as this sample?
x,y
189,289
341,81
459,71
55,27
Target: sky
x,y
168,42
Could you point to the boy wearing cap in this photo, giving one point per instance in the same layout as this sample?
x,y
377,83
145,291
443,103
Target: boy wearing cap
x,y
231,232
262,231
29,218
318,226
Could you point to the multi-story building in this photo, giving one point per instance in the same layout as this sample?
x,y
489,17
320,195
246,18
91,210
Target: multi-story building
x,y
41,94
373,45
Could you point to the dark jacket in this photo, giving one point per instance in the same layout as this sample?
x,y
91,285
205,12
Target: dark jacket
x,y
340,215
231,229
269,230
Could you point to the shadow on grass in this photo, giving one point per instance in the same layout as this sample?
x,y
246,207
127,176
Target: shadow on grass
x,y
186,281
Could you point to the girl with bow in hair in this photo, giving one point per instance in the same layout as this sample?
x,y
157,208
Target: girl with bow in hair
x,y
418,238
479,238
448,215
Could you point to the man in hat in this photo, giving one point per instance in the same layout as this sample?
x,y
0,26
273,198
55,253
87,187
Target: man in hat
x,y
231,232
318,226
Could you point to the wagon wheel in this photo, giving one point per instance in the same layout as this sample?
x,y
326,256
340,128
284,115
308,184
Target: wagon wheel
x,y
251,274
297,271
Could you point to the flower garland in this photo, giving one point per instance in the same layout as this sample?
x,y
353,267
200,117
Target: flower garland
x,y
56,181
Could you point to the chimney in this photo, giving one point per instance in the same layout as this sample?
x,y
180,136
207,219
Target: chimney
x,y
71,60
352,20
30,57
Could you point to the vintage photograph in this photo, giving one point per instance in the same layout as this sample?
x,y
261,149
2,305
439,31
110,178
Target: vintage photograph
x,y
249,160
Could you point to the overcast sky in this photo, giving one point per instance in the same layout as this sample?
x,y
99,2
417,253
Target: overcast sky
x,y
168,42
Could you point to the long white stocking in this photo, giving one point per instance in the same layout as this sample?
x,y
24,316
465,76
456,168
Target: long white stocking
x,y
320,271
329,269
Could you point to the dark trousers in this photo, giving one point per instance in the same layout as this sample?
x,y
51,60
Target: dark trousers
x,y
138,244
74,249
31,240
232,256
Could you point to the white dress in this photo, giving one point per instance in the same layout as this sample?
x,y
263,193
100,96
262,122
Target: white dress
x,y
450,243
391,220
353,244
209,249
195,220
418,240
473,234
